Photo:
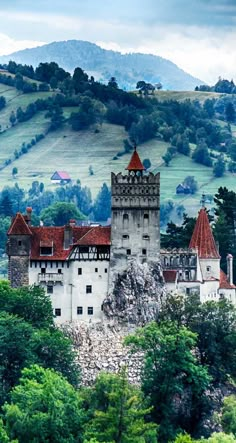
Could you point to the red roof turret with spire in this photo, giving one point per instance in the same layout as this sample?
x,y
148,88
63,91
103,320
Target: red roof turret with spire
x,y
202,237
135,163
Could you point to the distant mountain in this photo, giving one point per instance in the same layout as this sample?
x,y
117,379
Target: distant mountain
x,y
103,64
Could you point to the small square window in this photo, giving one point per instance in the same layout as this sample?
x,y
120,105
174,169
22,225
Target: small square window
x,y
128,252
144,251
90,310
49,289
58,312
79,310
43,270
79,271
89,289
96,269
208,268
146,216
59,271
105,270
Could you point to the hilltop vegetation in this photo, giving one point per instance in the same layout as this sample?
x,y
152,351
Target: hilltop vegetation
x,y
100,63
76,124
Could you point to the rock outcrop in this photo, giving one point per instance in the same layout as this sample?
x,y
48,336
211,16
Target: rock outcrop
x,y
135,300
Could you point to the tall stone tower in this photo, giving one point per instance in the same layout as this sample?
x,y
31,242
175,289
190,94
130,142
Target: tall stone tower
x,y
135,226
18,250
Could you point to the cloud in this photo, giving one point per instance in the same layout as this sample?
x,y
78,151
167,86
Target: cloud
x,y
9,45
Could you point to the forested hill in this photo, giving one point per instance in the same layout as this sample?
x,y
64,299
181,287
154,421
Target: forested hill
x,y
103,64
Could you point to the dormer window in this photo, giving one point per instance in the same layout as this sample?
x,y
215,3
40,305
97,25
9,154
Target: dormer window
x,y
46,248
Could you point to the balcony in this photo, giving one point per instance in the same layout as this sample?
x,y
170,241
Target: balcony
x,y
50,278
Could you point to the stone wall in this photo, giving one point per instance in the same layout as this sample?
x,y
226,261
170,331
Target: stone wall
x,y
100,348
18,271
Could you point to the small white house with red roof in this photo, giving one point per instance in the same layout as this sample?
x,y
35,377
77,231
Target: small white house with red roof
x,y
60,177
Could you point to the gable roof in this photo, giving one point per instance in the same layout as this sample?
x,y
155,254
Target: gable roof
x,y
224,283
135,163
60,175
81,235
19,226
202,238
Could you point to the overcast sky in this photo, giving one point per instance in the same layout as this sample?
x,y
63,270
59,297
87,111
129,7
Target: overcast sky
x,y
198,35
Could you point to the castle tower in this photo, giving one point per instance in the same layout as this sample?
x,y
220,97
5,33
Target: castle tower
x,y
18,250
203,240
135,226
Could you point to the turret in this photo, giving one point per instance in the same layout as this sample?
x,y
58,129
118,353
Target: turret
x,y
18,250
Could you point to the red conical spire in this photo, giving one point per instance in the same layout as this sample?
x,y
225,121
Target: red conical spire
x,y
135,163
202,237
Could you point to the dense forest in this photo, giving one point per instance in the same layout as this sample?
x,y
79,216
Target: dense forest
x,y
189,357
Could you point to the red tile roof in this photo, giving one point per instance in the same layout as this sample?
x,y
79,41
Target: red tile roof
x,y
224,283
202,237
99,235
170,276
135,163
85,235
63,175
19,226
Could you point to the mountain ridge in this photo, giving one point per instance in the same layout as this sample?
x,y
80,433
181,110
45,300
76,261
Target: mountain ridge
x,y
102,64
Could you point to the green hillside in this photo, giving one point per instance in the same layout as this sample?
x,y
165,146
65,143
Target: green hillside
x,y
76,151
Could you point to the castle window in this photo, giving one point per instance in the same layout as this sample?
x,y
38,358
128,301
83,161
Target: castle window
x,y
49,289
79,310
146,237
187,291
125,236
43,270
58,312
79,271
96,269
125,217
128,252
90,310
89,289
84,249
59,271
105,270
187,275
19,243
208,268
144,251
46,247
146,217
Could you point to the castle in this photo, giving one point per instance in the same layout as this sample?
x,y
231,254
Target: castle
x,y
79,265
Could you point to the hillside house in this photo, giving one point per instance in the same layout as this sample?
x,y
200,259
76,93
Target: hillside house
x,y
60,177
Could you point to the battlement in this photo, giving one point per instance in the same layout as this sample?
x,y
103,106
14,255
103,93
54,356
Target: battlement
x,y
130,179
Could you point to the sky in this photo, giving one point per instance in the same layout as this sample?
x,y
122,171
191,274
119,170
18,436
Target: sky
x,y
198,35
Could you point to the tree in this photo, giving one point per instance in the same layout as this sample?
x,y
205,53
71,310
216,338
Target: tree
x,y
171,370
6,207
201,154
118,412
214,323
113,83
44,407
191,183
59,214
147,163
2,102
12,118
229,415
14,171
230,112
102,204
56,116
167,158
219,167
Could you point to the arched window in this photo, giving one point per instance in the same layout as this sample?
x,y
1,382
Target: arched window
x,y
146,217
125,217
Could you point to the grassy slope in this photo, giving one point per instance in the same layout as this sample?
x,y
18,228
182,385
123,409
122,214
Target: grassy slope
x,y
76,151
186,95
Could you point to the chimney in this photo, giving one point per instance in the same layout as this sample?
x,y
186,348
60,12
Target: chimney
x,y
229,259
72,223
28,214
68,231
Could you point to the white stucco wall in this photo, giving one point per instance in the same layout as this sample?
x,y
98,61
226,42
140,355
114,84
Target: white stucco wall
x,y
70,294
